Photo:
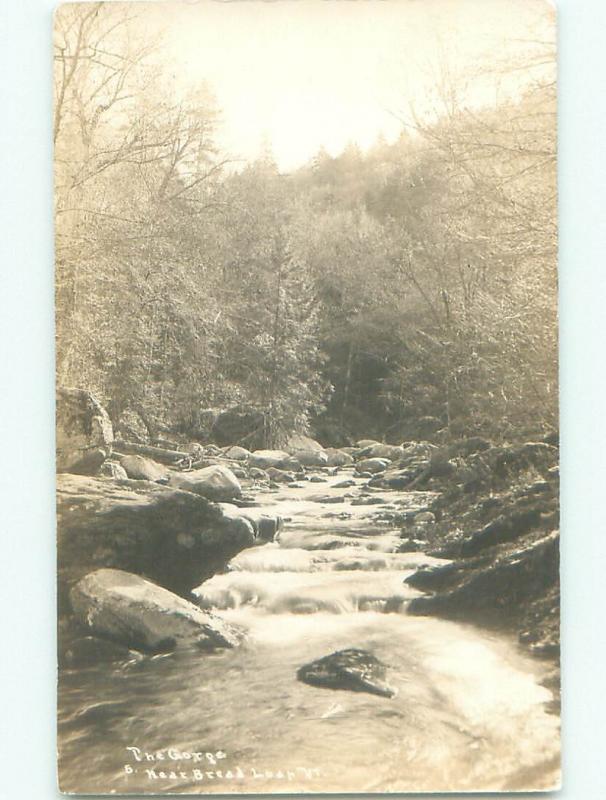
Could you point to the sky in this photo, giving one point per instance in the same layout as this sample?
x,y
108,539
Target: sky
x,y
301,75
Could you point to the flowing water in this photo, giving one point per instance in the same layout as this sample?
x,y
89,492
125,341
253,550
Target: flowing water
x,y
469,713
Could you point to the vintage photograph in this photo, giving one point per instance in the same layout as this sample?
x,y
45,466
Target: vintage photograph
x,y
307,397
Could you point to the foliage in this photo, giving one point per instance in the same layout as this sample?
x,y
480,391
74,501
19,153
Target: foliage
x,y
358,295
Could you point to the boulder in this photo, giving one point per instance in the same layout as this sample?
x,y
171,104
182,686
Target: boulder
x,y
338,458
389,451
280,475
269,458
84,432
311,458
142,615
111,469
202,422
352,669
372,465
266,526
175,538
140,468
238,425
237,453
491,590
505,528
298,442
216,482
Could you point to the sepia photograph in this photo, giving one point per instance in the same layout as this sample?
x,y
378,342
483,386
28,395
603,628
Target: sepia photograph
x,y
307,424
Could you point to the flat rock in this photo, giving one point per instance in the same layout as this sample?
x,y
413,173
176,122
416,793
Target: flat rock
x,y
280,475
352,669
266,526
142,615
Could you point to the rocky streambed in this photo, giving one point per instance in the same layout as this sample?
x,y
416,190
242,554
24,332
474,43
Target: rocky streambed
x,y
311,629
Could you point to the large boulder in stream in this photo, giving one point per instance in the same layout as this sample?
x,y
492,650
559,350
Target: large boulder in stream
x,y
175,538
141,615
84,432
216,482
352,669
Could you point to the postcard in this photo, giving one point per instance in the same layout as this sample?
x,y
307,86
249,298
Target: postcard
x,y
307,397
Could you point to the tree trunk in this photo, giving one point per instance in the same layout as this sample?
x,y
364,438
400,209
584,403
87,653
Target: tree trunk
x,y
350,357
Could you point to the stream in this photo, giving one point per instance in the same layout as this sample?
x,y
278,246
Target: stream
x,y
469,713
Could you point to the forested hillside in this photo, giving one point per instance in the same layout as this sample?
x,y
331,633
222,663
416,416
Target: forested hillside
x,y
401,292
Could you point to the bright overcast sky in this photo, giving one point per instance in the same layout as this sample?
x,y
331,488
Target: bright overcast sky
x,y
305,74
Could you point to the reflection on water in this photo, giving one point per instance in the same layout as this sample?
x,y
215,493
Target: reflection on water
x,y
469,712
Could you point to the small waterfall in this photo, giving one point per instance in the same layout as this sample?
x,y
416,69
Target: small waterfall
x,y
337,592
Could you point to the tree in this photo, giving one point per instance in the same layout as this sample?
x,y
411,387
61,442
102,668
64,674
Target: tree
x,y
132,167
